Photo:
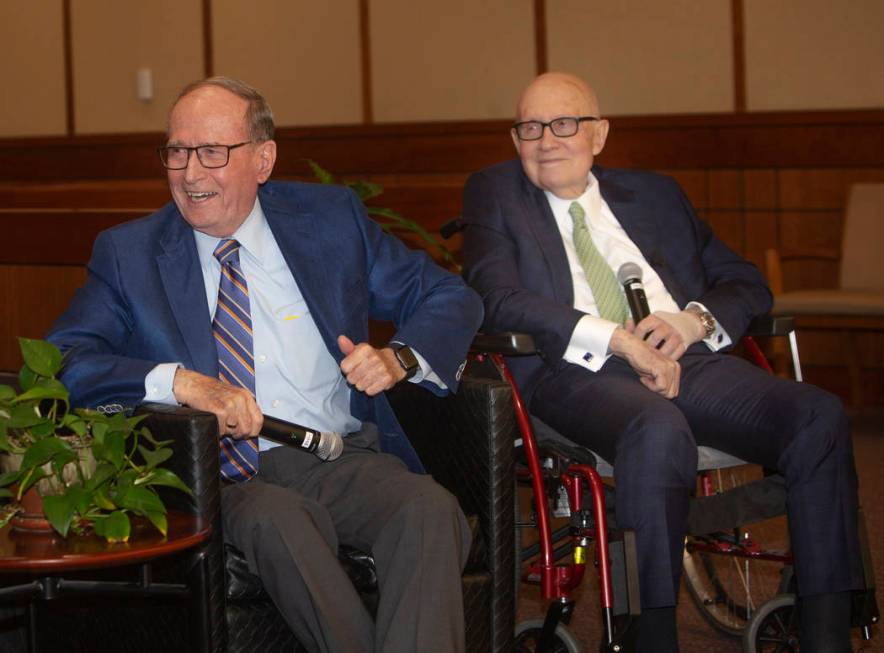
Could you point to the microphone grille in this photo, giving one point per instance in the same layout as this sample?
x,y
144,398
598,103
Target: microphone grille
x,y
330,446
629,271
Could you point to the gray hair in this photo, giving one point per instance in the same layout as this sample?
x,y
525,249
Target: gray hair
x,y
259,117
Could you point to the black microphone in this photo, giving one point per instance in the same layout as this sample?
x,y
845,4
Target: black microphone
x,y
326,445
630,275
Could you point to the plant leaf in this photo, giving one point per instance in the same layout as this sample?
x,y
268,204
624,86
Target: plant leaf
x,y
158,519
43,450
101,499
44,389
30,478
42,357
59,510
114,527
365,190
155,457
7,392
322,175
141,500
103,472
6,493
24,416
112,449
27,377
168,478
8,478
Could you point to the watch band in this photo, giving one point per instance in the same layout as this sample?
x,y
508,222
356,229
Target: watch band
x,y
406,359
706,319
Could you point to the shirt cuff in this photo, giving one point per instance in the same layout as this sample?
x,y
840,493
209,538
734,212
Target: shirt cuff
x,y
158,384
588,346
718,339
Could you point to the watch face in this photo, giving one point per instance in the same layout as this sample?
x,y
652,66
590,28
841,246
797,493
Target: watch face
x,y
407,360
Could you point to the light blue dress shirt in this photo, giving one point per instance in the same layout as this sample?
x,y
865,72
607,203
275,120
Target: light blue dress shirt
x,y
296,378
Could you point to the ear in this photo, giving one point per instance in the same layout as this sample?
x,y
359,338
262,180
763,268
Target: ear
x,y
265,159
599,136
516,140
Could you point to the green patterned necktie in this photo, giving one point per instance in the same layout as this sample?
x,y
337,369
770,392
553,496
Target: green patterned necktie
x,y
608,295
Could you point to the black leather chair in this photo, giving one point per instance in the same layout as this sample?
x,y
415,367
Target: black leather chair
x,y
465,441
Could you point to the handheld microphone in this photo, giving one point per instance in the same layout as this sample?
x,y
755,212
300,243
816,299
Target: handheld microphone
x,y
325,445
630,275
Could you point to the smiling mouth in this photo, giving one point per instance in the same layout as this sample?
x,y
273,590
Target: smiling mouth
x,y
195,196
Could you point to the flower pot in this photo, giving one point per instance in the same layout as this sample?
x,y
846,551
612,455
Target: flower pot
x,y
31,517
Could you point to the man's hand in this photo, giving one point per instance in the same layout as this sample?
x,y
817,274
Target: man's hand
x,y
677,332
370,370
237,412
656,371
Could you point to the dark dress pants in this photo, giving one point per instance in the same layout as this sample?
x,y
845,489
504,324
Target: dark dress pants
x,y
726,403
288,522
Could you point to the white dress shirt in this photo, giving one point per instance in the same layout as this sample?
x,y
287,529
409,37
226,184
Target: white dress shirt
x,y
588,346
296,378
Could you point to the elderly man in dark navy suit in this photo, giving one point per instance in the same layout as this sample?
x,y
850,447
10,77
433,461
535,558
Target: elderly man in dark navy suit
x,y
544,235
244,296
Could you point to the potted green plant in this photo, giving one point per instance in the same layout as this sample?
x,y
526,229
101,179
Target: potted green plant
x,y
92,470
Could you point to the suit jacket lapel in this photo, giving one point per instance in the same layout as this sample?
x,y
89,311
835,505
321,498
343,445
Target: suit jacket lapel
x,y
640,226
543,225
185,289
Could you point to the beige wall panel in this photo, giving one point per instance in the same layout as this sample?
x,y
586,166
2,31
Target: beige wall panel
x,y
304,56
453,60
32,68
112,40
814,54
646,56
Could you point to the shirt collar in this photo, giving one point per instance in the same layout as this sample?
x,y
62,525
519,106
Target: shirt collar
x,y
251,235
590,200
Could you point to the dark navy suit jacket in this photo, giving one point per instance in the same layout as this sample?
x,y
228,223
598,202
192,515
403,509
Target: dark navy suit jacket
x,y
515,259
144,301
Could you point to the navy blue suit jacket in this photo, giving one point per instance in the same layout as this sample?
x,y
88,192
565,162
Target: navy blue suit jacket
x,y
515,259
144,301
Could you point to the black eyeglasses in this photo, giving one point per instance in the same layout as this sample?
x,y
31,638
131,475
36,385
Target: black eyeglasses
x,y
176,157
532,130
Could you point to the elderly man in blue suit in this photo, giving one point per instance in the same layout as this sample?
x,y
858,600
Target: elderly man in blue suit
x,y
544,235
245,296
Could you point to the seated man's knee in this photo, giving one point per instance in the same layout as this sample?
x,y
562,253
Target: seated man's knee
x,y
658,446
819,429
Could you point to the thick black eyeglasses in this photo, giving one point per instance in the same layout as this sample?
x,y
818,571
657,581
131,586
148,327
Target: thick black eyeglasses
x,y
532,130
176,157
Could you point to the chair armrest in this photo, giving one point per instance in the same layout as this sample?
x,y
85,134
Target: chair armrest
x,y
508,344
771,325
466,442
194,436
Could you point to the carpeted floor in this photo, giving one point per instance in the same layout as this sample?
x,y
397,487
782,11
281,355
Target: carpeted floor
x,y
696,636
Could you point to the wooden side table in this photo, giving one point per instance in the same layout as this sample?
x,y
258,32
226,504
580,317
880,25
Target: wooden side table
x,y
46,557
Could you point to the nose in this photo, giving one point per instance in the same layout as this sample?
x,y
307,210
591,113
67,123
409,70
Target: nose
x,y
548,140
194,170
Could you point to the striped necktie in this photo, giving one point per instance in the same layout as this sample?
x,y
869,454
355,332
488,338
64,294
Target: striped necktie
x,y
232,328
605,289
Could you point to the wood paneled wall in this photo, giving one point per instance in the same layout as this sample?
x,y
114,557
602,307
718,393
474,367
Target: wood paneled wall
x,y
761,180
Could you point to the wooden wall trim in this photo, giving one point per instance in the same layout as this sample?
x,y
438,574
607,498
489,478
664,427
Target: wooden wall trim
x,y
748,140
540,49
739,55
365,62
68,49
208,41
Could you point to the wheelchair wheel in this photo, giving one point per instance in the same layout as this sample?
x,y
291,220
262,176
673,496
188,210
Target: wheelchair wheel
x,y
528,635
773,628
729,589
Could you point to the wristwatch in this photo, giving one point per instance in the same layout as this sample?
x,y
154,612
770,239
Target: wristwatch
x,y
406,358
706,319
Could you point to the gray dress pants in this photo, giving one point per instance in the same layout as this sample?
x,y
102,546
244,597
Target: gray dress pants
x,y
289,520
